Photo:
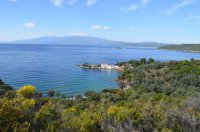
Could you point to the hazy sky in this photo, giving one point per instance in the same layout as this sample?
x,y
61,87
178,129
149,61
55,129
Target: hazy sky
x,y
176,21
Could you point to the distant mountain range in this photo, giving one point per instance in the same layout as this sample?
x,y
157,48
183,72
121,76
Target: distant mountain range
x,y
82,40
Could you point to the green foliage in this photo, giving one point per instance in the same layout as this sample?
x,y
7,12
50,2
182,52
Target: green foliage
x,y
57,94
26,91
51,93
4,88
173,77
63,96
150,61
14,113
91,95
183,47
143,61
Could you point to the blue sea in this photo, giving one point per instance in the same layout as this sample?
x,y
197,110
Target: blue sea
x,y
54,67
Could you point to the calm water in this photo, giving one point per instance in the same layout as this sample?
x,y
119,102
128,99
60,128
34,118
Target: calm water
x,y
55,67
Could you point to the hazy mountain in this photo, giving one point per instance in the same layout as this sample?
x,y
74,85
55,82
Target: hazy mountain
x,y
81,40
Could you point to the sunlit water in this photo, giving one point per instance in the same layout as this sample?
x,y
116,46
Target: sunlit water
x,y
54,67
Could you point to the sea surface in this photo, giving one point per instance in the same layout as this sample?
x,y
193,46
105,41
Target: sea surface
x,y
54,67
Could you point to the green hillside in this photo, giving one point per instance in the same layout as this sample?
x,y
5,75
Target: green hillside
x,y
183,47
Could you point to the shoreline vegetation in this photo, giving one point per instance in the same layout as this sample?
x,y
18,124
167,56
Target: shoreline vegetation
x,y
182,47
152,96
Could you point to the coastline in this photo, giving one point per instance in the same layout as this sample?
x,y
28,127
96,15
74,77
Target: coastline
x,y
192,51
101,67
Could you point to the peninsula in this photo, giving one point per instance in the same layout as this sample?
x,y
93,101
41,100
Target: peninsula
x,y
182,47
100,66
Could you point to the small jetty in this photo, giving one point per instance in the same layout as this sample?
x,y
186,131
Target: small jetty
x,y
99,66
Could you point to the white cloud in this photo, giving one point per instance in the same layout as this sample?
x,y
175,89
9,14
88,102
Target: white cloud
x,y
96,27
133,28
58,3
145,2
106,27
194,17
77,34
72,2
90,2
13,0
178,6
132,7
135,6
29,25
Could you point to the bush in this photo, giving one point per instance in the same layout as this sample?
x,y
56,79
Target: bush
x,y
51,93
26,91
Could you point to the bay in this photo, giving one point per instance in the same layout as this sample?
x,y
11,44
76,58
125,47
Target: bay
x,y
54,67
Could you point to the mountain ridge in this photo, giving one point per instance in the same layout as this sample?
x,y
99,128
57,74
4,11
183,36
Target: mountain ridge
x,y
81,40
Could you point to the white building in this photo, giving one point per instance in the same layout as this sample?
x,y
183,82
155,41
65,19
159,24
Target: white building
x,y
116,67
107,66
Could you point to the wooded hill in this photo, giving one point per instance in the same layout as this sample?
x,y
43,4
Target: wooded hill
x,y
182,47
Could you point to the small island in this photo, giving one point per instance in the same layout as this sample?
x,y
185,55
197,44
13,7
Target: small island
x,y
182,47
100,66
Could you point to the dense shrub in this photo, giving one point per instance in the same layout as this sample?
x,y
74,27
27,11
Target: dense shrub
x,y
166,77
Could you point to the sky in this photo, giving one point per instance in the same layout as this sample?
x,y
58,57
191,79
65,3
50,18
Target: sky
x,y
166,21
